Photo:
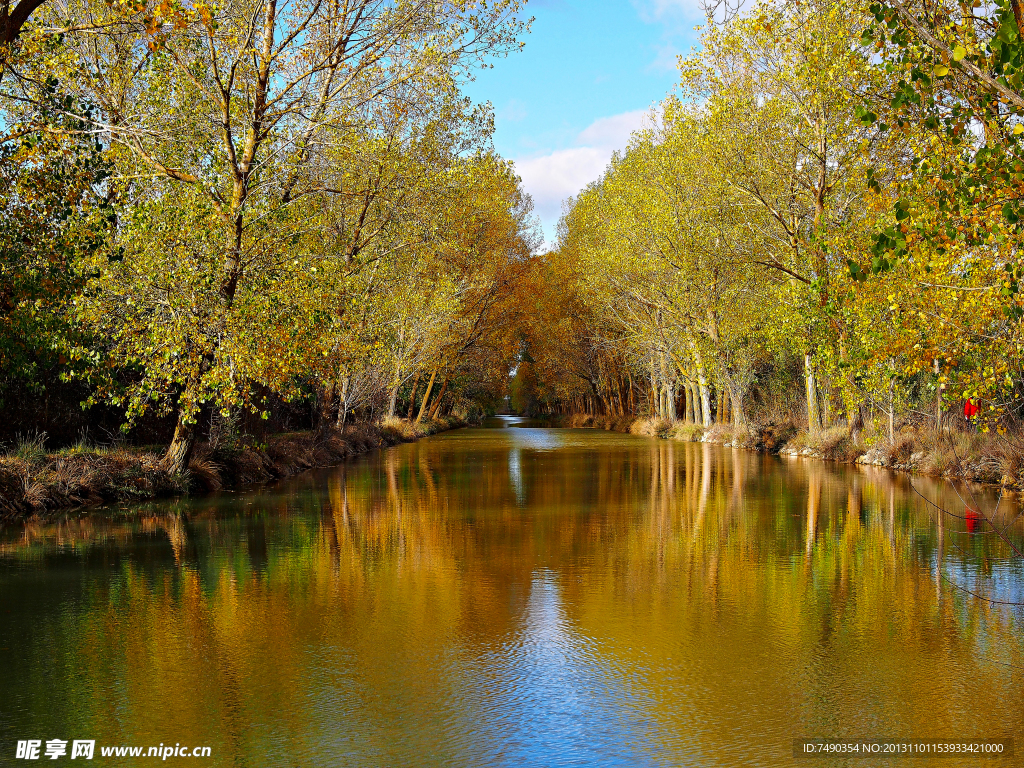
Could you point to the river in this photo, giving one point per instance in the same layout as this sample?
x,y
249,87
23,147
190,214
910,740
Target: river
x,y
512,595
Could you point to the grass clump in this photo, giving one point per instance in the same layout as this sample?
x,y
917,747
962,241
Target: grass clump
x,y
686,433
836,444
608,423
833,444
772,437
652,427
30,449
900,449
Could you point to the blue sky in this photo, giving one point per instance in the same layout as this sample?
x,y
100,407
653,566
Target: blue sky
x,y
590,72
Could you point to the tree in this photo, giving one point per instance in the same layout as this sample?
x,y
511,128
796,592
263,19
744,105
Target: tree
x,y
220,124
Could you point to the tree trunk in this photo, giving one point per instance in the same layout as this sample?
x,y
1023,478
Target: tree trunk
x,y
736,406
412,396
938,396
426,396
892,410
179,453
437,403
393,401
325,406
813,418
702,381
343,405
855,423
655,390
667,407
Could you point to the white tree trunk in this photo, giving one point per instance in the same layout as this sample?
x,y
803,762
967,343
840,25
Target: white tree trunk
x,y
702,381
813,417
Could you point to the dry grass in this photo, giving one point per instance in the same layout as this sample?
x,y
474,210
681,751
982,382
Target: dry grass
x,y
833,444
1008,462
668,430
686,433
772,437
32,480
404,429
580,421
205,471
719,433
652,427
965,455
899,450
607,423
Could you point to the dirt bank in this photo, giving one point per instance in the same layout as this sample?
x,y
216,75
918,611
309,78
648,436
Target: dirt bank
x,y
33,480
970,456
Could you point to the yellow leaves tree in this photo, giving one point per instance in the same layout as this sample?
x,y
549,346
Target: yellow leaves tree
x,y
222,122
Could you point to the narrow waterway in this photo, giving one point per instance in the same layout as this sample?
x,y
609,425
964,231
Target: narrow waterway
x,y
519,596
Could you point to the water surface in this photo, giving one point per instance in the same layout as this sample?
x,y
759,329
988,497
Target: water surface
x,y
520,596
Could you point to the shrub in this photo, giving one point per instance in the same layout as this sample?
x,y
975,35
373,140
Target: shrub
x,y
687,433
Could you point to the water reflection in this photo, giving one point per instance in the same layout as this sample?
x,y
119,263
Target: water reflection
x,y
513,596
515,474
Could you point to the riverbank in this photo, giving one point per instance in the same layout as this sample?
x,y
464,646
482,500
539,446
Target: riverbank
x,y
33,480
969,456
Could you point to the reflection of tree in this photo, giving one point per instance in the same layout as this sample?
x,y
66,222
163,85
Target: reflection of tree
x,y
724,585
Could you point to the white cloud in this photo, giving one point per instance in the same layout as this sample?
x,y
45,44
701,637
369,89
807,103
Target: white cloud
x,y
552,178
612,131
